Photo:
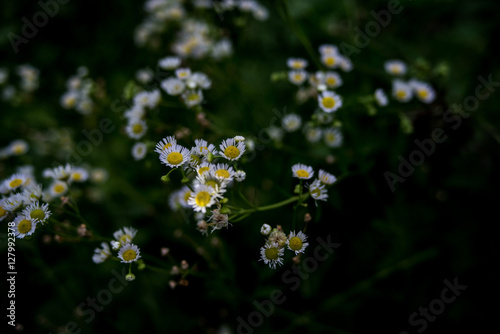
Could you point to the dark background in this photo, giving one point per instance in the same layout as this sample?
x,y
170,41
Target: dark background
x,y
397,247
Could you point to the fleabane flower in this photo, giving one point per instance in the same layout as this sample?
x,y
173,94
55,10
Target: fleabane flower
x,y
36,211
58,188
297,242
402,91
124,236
381,98
202,198
265,229
423,91
240,176
395,67
317,191
18,147
297,77
204,168
129,253
61,173
313,134
169,63
326,178
302,171
272,255
332,79
165,144
175,156
101,254
3,211
202,148
296,63
291,122
199,80
231,149
139,151
333,137
173,86
15,181
24,226
136,128
179,198
78,174
183,73
224,172
329,101
192,97
331,60
13,202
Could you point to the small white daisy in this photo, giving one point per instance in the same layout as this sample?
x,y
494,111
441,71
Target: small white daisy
x,y
271,255
302,171
204,167
345,64
240,176
192,97
296,63
183,73
13,202
125,235
326,178
331,60
423,91
318,191
202,198
24,226
58,188
101,254
332,79
327,49
395,67
79,174
15,181
401,91
333,137
297,242
224,172
199,80
173,86
129,253
69,99
313,134
265,229
175,156
297,77
18,147
36,211
381,98
61,173
139,151
291,122
169,63
329,101
136,128
165,144
232,150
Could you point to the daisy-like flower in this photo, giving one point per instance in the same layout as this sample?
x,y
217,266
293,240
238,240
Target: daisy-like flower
x,y
200,80
381,98
13,202
24,226
139,151
265,229
101,254
240,176
296,63
302,171
291,122
69,99
332,79
202,198
173,86
328,49
224,172
58,188
3,212
232,150
424,92
326,178
179,198
124,235
33,192
333,137
15,181
98,175
318,191
297,77
297,242
192,97
278,237
331,60
18,147
272,255
202,148
211,180
313,134
239,138
401,91
204,168
329,101
61,173
135,112
183,73
165,144
129,253
395,67
79,174
169,63
345,64
144,76
36,211
136,128
175,156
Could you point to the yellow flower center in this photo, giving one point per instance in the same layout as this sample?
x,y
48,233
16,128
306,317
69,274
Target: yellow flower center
x,y
316,192
202,170
232,152
129,255
124,239
330,61
137,128
271,253
401,94
196,159
59,188
77,176
222,173
212,183
18,149
423,93
70,101
175,158
297,77
24,226
167,145
330,81
328,102
295,243
15,183
192,97
202,198
38,214
2,211
187,195
302,173
203,148
330,137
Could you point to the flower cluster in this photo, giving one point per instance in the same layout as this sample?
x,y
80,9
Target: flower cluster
x,y
274,248
317,188
27,81
77,96
15,148
258,11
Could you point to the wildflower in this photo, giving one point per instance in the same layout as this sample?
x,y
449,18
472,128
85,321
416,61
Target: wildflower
x,y
13,202
326,178
297,242
165,143
204,167
332,79
15,181
58,188
200,80
219,220
395,67
69,99
271,255
101,254
173,86
98,175
333,137
381,98
240,176
302,171
139,151
328,49
192,97
297,77
401,91
202,227
24,226
278,237
232,150
318,191
329,101
331,60
125,235
224,171
202,198
18,147
265,229
136,128
36,211
211,180
169,63
297,63
313,134
423,91
78,174
291,122
129,253
61,173
175,156
183,73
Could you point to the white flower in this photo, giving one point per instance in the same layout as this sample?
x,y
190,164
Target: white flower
x,y
297,242
165,143
58,188
265,229
139,151
183,73
395,67
15,181
224,172
272,255
136,128
129,253
24,226
175,156
240,176
318,191
326,178
202,198
302,171
333,137
36,211
331,60
69,99
423,91
125,235
192,97
381,98
101,254
232,150
332,79
200,80
169,63
313,134
61,173
18,147
297,77
291,122
401,91
78,174
297,63
328,49
98,175
13,202
144,76
329,101
173,86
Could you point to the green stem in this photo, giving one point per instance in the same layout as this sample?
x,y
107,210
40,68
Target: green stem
x,y
275,205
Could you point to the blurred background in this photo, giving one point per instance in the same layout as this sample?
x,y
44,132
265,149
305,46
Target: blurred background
x,y
396,247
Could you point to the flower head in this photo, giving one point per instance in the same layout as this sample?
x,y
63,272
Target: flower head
x,y
24,226
231,149
129,253
302,171
329,101
101,254
175,156
272,255
297,242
